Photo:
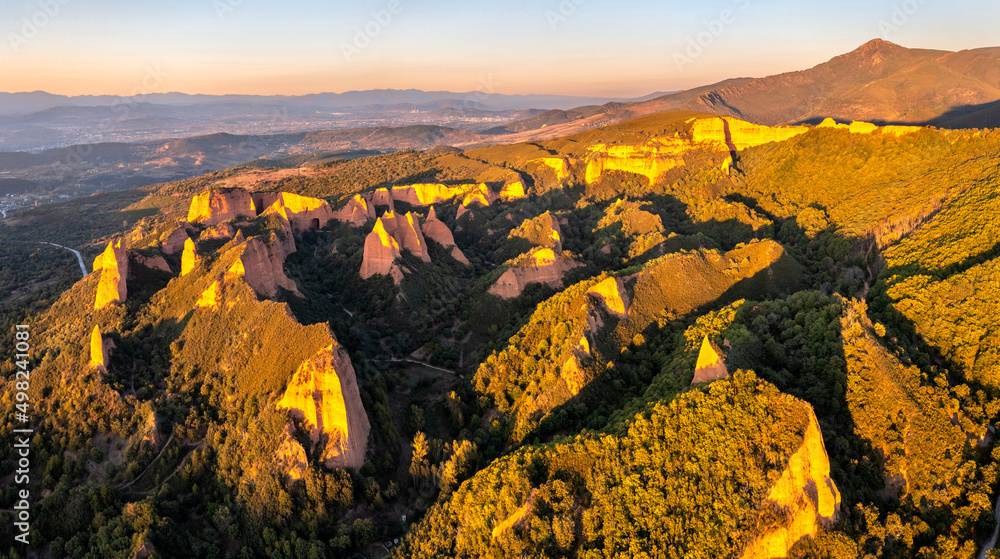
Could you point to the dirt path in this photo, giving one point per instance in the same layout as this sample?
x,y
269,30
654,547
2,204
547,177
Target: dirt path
x,y
138,477
177,469
422,364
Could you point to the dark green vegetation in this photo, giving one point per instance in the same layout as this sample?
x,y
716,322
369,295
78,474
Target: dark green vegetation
x,y
854,273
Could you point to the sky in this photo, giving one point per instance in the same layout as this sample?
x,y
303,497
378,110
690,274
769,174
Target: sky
x,y
609,48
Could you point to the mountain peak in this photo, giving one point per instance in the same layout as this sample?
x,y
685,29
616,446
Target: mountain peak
x,y
877,46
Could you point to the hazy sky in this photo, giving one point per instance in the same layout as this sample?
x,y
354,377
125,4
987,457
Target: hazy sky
x,y
585,47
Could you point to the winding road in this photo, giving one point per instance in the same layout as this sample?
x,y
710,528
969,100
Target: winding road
x,y
79,257
996,531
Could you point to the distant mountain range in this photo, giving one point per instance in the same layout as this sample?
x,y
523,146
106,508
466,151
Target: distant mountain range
x,y
33,102
879,82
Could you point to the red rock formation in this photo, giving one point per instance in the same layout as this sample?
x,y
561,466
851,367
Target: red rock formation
x,y
410,237
153,262
513,190
215,206
263,200
189,258
290,456
805,492
357,212
434,228
710,366
217,231
262,266
100,349
174,242
381,252
113,264
302,212
612,293
323,397
540,266
381,197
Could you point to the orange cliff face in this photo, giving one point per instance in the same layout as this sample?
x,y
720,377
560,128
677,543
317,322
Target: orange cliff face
x,y
216,206
513,190
324,398
732,134
302,212
261,265
659,155
806,491
113,264
381,252
100,349
435,229
357,212
611,292
433,193
410,237
174,242
189,258
541,265
710,366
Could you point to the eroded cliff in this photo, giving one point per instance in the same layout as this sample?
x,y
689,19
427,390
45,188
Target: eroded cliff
x,y
324,399
805,492
113,265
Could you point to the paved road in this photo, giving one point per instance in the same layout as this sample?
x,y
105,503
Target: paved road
x,y
79,257
996,531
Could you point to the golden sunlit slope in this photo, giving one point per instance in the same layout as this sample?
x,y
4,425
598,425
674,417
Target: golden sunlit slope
x,y
662,487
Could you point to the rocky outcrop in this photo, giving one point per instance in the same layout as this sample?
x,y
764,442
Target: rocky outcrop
x,y
732,134
357,212
405,229
291,456
558,165
100,349
323,399
710,365
435,229
381,252
612,293
217,205
302,212
189,258
261,265
858,127
263,200
571,372
433,193
807,494
410,236
211,298
541,265
513,190
156,262
217,231
651,160
174,242
113,264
